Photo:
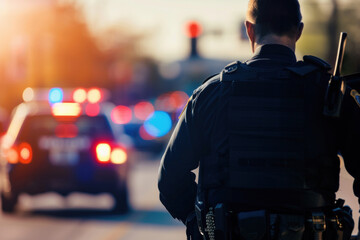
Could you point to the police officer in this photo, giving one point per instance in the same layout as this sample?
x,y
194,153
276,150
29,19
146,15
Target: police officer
x,y
267,156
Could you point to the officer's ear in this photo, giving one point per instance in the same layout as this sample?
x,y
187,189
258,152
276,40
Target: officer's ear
x,y
250,30
300,30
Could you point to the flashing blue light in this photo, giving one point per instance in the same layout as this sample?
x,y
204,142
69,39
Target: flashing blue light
x,y
158,124
56,95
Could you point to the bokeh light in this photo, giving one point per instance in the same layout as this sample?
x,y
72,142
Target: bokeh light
x,y
56,95
143,110
193,29
158,124
12,156
25,153
28,94
171,101
118,156
94,95
144,134
103,152
79,95
92,110
121,114
179,98
66,109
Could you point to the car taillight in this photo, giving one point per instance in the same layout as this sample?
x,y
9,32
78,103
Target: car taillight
x,y
105,153
22,153
12,155
118,156
25,153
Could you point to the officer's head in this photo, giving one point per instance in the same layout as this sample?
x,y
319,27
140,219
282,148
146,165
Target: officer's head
x,y
274,20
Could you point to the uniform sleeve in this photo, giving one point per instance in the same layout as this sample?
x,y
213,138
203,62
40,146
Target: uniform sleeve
x,y
350,139
176,180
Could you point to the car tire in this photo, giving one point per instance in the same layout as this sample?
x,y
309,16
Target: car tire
x,y
8,202
121,198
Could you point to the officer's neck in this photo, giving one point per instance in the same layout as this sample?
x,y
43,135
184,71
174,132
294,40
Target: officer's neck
x,y
274,39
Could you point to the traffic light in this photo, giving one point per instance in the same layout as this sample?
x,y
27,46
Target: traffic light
x,y
193,30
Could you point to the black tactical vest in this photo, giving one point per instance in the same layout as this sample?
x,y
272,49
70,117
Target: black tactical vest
x,y
277,136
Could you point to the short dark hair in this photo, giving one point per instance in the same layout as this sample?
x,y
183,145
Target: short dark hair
x,y
280,17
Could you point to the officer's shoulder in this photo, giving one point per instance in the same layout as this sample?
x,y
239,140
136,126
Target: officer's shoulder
x,y
229,70
308,65
237,70
207,84
320,63
212,79
215,79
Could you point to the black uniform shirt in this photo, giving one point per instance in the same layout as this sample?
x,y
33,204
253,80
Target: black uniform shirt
x,y
194,136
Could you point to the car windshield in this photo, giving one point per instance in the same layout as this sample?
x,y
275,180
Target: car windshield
x,y
93,127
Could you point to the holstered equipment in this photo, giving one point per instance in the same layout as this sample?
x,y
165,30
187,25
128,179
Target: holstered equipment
x,y
274,142
220,223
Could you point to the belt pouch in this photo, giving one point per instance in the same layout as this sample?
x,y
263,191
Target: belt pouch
x,y
291,227
252,225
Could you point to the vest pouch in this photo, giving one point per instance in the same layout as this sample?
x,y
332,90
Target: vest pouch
x,y
252,225
291,227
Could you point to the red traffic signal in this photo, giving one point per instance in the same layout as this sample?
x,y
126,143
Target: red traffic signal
x,y
194,29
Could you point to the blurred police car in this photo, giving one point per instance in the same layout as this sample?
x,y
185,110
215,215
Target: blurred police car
x,y
149,122
64,146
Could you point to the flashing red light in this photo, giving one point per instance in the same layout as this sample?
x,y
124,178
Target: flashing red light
x,y
25,153
92,110
194,29
66,130
143,110
121,115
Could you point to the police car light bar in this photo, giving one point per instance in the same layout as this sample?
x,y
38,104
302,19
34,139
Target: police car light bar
x,y
54,95
66,109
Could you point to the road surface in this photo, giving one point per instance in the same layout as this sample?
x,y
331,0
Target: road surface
x,y
51,217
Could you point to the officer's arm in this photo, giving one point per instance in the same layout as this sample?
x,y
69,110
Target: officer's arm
x,y
350,139
176,182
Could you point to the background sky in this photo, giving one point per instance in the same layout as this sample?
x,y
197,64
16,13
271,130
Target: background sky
x,y
163,23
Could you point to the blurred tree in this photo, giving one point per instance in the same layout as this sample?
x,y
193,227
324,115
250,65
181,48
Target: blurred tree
x,y
47,46
132,75
51,45
325,20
